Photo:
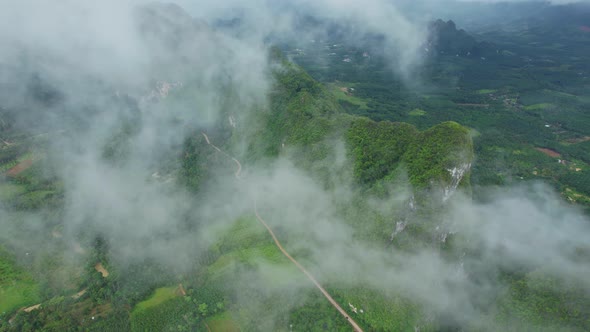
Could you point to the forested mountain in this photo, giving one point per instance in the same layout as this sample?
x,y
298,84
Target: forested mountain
x,y
446,39
182,177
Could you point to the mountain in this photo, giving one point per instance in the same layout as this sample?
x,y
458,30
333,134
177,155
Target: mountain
x,y
306,117
302,122
446,39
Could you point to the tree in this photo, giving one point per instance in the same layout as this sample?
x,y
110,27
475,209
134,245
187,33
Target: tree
x,y
203,308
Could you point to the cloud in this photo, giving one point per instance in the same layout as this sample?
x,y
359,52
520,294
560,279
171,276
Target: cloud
x,y
105,61
522,228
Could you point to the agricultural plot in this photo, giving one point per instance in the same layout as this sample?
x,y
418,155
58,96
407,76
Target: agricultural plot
x,y
222,322
17,287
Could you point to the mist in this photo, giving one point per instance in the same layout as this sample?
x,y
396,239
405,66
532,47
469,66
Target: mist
x,y
81,73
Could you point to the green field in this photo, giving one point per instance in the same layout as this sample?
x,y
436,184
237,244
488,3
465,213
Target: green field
x,y
379,312
337,91
222,322
540,106
485,91
246,242
161,310
17,288
417,112
9,191
160,296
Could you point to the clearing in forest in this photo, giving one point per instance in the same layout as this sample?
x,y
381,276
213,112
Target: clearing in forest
x,y
222,322
577,140
100,268
160,296
17,287
549,152
20,167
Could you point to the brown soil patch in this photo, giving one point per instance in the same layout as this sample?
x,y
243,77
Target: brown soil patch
x,y
578,140
79,294
346,91
98,267
549,152
101,310
21,167
180,290
31,308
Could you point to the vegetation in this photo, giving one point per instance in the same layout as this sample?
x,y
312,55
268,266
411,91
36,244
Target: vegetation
x,y
222,322
515,97
160,295
513,93
435,151
17,287
379,312
378,147
163,311
546,302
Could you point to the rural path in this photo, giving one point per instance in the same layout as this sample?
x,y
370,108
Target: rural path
x,y
239,169
79,294
20,167
38,306
181,290
327,295
31,308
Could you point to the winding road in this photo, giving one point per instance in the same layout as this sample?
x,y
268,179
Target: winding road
x,y
327,295
239,169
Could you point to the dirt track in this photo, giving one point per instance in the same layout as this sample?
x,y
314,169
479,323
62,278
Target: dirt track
x,y
181,290
239,169
549,152
79,294
31,308
335,304
20,167
355,326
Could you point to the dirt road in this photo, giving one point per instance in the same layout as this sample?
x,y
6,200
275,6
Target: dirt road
x,y
355,326
20,167
31,308
239,169
335,304
549,152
